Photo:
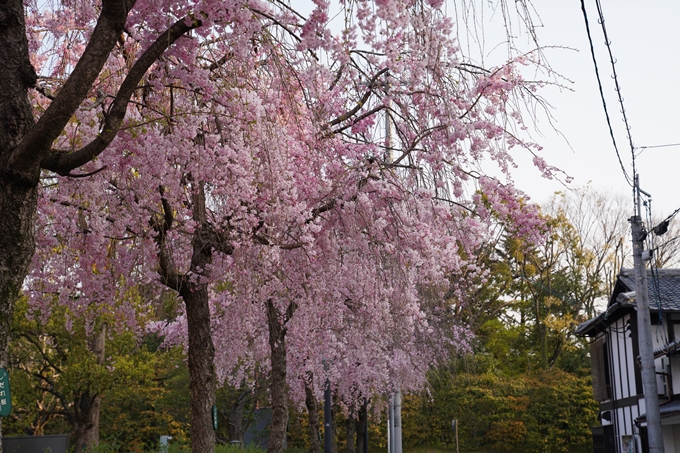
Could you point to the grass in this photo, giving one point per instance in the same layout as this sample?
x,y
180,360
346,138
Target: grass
x,y
106,447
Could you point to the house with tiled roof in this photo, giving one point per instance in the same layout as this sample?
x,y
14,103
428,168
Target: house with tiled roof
x,y
614,354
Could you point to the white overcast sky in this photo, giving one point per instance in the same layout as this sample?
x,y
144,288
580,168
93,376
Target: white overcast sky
x,y
645,41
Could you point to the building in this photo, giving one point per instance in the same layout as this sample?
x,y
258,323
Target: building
x,y
614,353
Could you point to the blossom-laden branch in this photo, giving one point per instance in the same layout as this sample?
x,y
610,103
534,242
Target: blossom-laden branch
x,y
64,163
35,145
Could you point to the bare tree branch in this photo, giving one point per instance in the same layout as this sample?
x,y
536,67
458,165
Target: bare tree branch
x,y
361,103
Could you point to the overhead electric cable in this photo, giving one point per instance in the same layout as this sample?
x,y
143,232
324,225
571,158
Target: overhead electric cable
x,y
658,146
651,239
642,148
607,42
670,217
604,102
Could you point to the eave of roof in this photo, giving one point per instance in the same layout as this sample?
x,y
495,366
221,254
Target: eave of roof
x,y
666,409
664,295
666,349
586,327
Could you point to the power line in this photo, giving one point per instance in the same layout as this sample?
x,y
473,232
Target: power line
x,y
599,84
607,42
642,148
659,146
668,219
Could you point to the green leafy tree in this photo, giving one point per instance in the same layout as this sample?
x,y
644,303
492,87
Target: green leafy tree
x,y
527,386
549,412
69,377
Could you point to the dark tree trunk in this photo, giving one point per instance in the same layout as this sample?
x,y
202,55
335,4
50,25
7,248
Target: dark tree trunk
x,y
313,413
541,334
195,293
334,426
350,431
277,344
361,428
87,407
201,353
235,416
17,218
18,196
86,422
241,407
200,358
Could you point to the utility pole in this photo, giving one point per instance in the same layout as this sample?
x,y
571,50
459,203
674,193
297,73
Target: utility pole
x,y
645,331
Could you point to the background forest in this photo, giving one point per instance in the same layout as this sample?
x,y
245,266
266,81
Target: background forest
x,y
525,386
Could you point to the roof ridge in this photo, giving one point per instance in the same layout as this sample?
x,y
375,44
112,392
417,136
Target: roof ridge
x,y
630,272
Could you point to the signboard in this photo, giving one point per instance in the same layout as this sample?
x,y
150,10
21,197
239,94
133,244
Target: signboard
x,y
31,444
214,417
5,397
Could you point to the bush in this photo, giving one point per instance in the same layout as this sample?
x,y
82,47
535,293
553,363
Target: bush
x,y
550,412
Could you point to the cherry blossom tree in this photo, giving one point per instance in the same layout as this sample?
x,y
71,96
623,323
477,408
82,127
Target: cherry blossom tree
x,y
234,152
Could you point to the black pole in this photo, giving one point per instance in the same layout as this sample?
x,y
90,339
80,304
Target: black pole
x,y
327,435
366,426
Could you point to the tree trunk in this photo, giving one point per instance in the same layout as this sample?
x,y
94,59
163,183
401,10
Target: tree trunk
x,y
235,417
361,428
313,412
86,422
279,395
237,428
87,407
334,425
541,334
350,431
194,291
18,196
201,354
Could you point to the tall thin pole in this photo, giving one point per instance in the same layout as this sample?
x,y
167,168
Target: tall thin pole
x,y
327,428
397,421
390,426
645,333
